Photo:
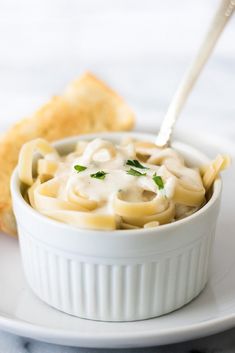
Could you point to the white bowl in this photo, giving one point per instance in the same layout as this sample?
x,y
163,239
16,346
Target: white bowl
x,y
120,275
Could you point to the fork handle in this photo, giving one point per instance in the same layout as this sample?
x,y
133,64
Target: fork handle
x,y
221,18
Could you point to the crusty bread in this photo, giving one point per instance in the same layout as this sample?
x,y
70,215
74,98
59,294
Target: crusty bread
x,y
87,105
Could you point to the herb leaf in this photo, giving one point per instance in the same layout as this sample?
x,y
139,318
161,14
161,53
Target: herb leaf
x,y
158,181
134,172
79,168
99,175
135,163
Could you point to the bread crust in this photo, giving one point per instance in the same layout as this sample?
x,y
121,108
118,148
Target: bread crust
x,y
87,105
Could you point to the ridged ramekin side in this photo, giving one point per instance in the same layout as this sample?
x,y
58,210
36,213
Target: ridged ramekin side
x,y
114,291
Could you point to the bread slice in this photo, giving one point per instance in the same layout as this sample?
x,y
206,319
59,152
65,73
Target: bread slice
x,y
86,106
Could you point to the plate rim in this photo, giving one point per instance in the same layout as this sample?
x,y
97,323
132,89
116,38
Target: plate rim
x,y
112,340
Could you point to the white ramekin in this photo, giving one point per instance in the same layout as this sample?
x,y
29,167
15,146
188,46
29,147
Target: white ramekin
x,y
120,275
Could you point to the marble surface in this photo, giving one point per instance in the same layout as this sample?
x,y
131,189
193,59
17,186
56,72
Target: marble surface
x,y
220,343
141,48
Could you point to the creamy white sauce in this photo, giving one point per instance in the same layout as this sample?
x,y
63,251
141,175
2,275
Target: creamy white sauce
x,y
97,157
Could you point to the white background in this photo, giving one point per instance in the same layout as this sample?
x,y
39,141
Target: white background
x,y
140,47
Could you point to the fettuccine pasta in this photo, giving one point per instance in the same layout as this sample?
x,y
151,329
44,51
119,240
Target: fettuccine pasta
x,y
102,185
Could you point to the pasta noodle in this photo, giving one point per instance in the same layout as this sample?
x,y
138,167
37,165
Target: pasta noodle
x,y
26,158
102,185
211,172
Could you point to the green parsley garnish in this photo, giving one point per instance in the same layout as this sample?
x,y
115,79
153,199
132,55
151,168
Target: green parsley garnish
x,y
158,181
135,163
79,168
134,172
99,175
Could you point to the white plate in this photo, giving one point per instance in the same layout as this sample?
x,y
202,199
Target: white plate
x,y
213,311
